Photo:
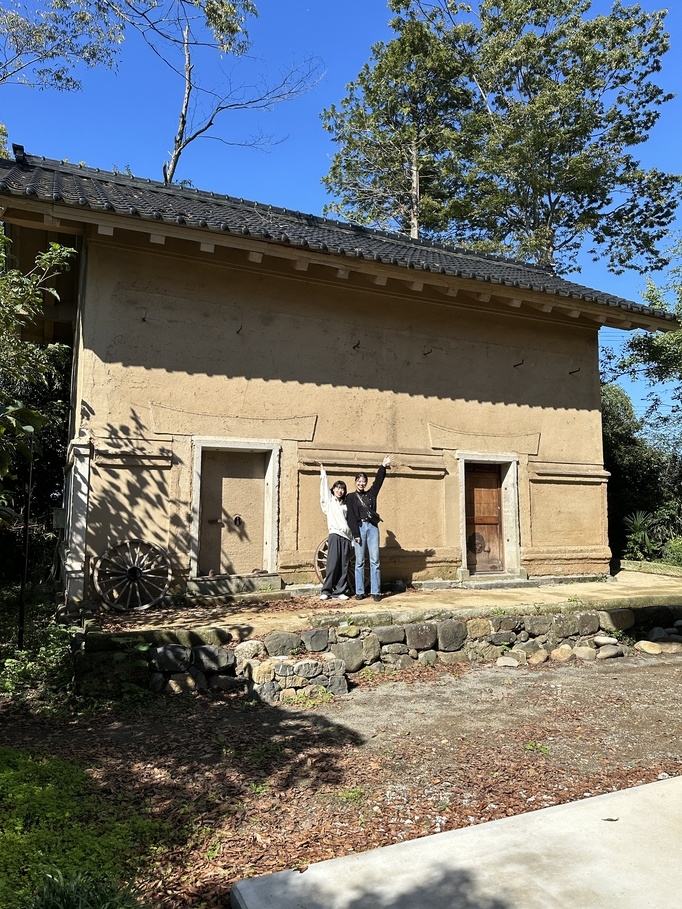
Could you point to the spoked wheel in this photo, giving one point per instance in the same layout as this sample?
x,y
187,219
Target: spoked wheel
x,y
321,554
132,575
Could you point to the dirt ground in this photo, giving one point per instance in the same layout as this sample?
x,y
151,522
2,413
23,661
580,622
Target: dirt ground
x,y
249,789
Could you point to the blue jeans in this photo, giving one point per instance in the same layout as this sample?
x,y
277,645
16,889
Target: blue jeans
x,y
369,540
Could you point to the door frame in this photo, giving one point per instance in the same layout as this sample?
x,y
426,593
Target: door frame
x,y
509,495
270,498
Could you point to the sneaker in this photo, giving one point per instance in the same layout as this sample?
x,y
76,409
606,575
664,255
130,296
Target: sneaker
x,y
376,598
359,596
341,596
324,596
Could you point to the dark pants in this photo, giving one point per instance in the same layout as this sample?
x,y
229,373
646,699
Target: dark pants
x,y
338,560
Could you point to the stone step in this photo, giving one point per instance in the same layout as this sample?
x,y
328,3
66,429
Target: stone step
x,y
233,585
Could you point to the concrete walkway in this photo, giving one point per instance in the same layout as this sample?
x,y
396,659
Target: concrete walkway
x,y
616,851
629,589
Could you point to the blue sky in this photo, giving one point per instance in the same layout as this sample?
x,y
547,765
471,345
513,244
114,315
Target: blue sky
x,y
128,118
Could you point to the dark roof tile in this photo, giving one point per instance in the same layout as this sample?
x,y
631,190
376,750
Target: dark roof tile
x,y
78,186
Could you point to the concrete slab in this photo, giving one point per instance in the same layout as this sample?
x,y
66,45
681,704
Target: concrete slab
x,y
619,850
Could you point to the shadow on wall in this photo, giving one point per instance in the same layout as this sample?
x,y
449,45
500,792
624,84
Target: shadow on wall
x,y
130,495
451,890
286,333
407,564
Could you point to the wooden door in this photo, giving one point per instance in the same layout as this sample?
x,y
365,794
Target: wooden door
x,y
485,544
231,530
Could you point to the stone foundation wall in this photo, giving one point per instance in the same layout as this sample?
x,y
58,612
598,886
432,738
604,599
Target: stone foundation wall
x,y
286,666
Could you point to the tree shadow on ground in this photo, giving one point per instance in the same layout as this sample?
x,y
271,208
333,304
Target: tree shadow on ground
x,y
402,888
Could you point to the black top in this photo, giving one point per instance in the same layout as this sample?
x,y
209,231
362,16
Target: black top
x,y
369,497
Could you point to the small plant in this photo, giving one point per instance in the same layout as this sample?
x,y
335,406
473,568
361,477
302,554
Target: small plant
x,y
536,746
640,527
354,795
672,551
82,890
261,753
500,611
258,788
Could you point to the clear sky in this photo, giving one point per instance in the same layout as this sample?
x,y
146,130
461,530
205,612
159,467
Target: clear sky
x,y
128,118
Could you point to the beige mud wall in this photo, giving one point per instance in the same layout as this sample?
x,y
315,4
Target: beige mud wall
x,y
178,347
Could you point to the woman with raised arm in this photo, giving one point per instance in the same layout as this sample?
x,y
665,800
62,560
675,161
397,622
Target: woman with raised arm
x,y
364,524
333,504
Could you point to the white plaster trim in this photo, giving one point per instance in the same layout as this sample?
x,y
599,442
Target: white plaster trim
x,y
510,506
271,497
76,494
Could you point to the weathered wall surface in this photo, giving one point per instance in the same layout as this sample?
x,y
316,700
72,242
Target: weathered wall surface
x,y
177,348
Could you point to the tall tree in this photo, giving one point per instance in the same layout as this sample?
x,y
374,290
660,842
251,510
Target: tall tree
x,y
398,131
558,101
656,359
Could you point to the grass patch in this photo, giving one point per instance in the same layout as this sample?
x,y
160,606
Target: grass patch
x,y
52,817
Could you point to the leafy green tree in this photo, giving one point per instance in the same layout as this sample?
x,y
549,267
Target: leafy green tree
x,y
636,467
558,101
398,131
26,370
656,360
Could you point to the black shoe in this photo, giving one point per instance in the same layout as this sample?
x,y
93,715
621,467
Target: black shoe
x,y
376,598
360,596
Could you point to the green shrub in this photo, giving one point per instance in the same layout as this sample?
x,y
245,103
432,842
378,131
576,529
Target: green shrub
x,y
672,551
52,816
83,891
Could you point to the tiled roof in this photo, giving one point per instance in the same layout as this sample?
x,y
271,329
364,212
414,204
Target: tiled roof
x,y
131,197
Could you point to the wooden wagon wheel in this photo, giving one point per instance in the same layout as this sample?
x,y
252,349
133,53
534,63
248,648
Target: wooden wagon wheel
x,y
134,574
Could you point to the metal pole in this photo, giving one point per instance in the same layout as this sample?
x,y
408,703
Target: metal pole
x,y
22,589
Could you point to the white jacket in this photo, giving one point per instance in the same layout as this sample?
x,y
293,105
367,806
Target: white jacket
x,y
335,510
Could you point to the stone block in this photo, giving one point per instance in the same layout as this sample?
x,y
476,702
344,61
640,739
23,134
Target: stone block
x,y
394,649
199,678
616,619
421,635
451,635
536,625
507,662
565,625
608,652
249,650
390,634
479,628
262,672
649,647
588,623
332,666
338,685
347,631
210,658
450,657
170,658
427,657
307,668
539,657
180,683
562,654
502,637
351,652
371,648
282,643
585,653
315,640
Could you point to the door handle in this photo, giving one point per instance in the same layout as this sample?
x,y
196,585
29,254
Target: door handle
x,y
216,521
